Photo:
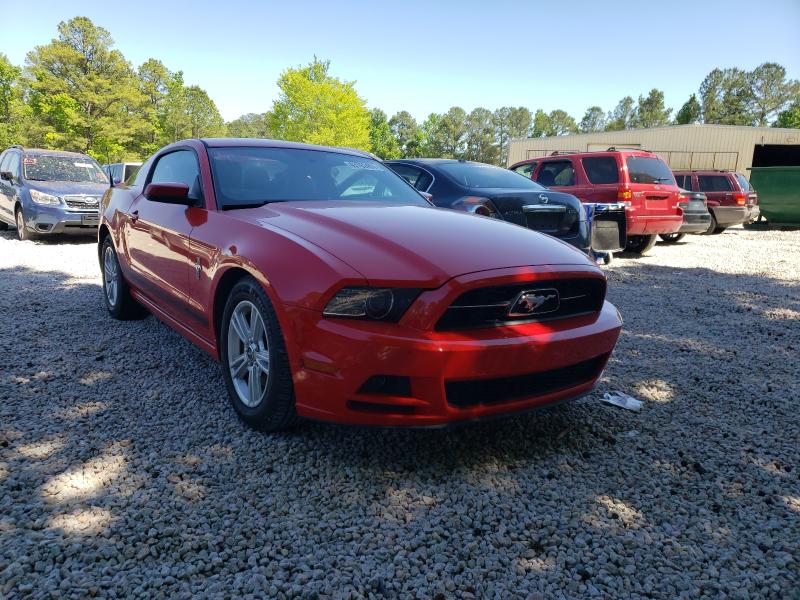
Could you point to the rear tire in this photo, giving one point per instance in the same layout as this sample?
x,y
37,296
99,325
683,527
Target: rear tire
x,y
718,230
254,361
117,294
672,238
640,244
712,226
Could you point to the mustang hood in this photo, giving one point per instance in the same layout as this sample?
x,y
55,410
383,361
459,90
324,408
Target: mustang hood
x,y
413,244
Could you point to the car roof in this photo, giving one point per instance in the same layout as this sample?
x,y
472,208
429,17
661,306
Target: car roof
x,y
588,154
709,171
438,161
45,152
264,143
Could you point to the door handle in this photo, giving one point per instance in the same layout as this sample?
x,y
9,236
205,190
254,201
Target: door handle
x,y
134,216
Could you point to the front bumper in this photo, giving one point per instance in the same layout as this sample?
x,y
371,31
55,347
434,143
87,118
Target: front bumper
x,y
54,220
450,376
695,222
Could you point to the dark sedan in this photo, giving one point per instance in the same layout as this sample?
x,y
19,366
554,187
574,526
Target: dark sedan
x,y
499,193
696,218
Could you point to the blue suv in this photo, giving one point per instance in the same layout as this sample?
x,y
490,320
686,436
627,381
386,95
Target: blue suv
x,y
45,192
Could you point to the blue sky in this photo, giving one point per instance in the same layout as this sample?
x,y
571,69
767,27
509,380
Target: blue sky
x,y
427,56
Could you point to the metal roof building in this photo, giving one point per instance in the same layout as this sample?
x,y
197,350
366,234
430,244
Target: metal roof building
x,y
682,146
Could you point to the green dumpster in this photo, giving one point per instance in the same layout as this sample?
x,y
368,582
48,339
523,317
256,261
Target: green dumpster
x,y
778,193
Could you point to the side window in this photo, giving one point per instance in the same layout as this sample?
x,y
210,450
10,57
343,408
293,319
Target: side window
x,y
601,169
13,165
407,172
525,170
141,175
714,183
556,173
681,181
745,185
179,167
5,158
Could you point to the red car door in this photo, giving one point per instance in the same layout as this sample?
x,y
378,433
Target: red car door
x,y
157,236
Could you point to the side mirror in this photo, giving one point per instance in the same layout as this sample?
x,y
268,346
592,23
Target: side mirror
x,y
7,176
169,193
427,196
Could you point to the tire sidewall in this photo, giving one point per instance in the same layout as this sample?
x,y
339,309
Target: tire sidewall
x,y
22,233
114,309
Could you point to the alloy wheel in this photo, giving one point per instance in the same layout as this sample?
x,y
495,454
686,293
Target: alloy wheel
x,y
248,353
111,275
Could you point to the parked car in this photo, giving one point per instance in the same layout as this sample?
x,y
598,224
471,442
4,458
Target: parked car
x,y
696,218
639,179
44,192
122,171
731,198
495,192
329,288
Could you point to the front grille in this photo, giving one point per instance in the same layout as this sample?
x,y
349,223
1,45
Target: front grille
x,y
489,307
465,394
84,202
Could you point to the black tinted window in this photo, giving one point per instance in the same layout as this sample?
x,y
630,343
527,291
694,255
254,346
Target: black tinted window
x,y
479,175
251,176
714,183
556,173
601,169
525,170
179,167
644,169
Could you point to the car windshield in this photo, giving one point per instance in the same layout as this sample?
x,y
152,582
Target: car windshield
x,y
78,169
246,176
477,175
644,169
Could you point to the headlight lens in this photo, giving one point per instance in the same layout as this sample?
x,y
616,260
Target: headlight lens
x,y
42,198
373,304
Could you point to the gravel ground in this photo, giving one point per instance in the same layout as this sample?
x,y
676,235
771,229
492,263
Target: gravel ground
x,y
123,472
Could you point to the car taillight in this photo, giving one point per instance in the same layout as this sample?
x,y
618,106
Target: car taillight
x,y
624,195
740,198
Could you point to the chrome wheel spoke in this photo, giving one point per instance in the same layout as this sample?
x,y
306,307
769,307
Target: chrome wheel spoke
x,y
262,361
239,366
254,384
240,326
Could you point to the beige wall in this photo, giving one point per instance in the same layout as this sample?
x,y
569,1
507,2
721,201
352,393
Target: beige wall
x,y
682,146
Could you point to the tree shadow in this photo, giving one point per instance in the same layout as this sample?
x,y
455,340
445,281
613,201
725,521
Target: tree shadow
x,y
119,453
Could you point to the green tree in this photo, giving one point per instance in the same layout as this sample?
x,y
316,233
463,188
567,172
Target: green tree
x,y
593,120
12,108
690,112
251,125
727,98
382,141
202,115
623,116
407,133
511,122
541,124
790,117
84,93
480,142
454,132
154,78
771,91
561,123
316,108
432,137
651,111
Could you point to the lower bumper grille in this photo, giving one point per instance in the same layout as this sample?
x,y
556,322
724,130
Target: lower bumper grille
x,y
465,394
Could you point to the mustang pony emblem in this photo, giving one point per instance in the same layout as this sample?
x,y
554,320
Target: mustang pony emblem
x,y
535,302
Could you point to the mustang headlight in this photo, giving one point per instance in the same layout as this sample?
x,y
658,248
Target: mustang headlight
x,y
374,304
42,198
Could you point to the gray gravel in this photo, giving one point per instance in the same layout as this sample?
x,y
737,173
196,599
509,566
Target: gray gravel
x,y
123,472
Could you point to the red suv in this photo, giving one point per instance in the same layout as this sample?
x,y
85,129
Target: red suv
x,y
731,198
639,179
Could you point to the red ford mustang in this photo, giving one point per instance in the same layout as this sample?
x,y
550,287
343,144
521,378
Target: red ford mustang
x,y
329,288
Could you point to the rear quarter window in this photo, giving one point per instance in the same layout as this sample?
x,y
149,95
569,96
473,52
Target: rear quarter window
x,y
525,170
714,183
745,185
601,169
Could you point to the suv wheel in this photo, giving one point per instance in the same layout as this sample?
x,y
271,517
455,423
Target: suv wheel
x,y
712,226
254,362
22,233
672,238
640,244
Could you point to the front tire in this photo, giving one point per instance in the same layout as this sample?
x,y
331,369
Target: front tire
x,y
117,294
22,232
254,362
640,244
672,238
